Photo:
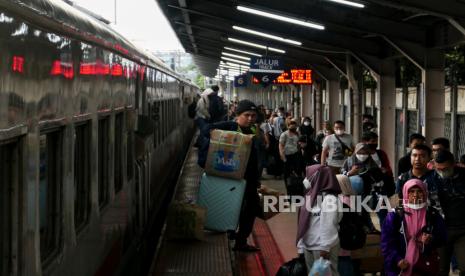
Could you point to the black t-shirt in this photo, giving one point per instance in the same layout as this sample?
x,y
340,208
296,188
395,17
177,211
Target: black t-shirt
x,y
405,164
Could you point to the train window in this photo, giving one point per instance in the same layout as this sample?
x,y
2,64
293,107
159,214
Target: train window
x,y
118,172
170,112
161,126
50,194
82,137
130,155
9,205
103,156
167,115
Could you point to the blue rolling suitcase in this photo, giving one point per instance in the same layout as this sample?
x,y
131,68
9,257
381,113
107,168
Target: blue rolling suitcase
x,y
222,197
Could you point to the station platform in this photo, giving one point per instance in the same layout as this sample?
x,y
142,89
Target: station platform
x,y
214,255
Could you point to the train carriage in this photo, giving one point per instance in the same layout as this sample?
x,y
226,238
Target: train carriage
x,y
92,131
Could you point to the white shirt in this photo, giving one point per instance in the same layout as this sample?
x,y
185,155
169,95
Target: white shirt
x,y
323,226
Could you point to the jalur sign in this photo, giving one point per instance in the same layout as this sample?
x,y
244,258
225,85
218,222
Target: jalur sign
x,y
266,69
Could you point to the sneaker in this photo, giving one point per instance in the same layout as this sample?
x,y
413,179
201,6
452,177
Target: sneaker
x,y
246,248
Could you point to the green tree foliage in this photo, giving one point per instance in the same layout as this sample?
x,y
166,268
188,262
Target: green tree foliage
x,y
455,66
200,81
407,74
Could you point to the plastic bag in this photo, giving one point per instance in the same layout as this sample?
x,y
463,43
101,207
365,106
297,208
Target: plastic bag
x,y
321,267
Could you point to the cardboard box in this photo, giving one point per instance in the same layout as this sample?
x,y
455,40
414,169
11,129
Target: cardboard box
x,y
228,154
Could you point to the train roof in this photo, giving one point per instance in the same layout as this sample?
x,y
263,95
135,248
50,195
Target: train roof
x,y
65,19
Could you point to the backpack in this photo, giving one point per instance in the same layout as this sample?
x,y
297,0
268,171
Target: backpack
x,y
352,236
191,109
215,108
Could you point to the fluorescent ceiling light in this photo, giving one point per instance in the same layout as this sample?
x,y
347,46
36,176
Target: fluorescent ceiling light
x,y
223,67
235,65
282,18
242,51
349,3
276,50
235,56
255,45
275,37
235,61
232,68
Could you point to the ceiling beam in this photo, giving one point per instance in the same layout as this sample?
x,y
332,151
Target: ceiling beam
x,y
333,40
445,8
336,20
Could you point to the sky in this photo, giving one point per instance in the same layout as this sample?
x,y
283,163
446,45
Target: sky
x,y
142,23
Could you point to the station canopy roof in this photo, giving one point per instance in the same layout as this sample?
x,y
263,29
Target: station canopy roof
x,y
317,34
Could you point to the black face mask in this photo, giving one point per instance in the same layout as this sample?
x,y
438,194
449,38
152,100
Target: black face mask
x,y
373,146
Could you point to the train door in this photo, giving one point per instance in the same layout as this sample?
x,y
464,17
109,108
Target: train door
x,y
10,180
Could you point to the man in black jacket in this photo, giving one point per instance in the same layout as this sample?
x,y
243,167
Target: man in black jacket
x,y
404,164
216,106
246,112
449,182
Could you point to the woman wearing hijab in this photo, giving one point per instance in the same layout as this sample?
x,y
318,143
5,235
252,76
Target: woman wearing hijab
x,y
318,220
307,130
359,162
411,235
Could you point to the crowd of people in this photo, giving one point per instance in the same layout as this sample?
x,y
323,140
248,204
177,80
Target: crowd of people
x,y
423,235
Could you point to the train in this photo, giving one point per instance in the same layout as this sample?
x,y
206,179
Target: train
x,y
93,131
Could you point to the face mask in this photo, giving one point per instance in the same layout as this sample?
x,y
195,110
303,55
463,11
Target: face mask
x,y
292,129
446,173
373,146
306,123
307,184
339,132
416,206
362,157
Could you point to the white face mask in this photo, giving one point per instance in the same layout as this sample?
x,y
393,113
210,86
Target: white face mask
x,y
416,206
306,123
339,132
362,157
307,184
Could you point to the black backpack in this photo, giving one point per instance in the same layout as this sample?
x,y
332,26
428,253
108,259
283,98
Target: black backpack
x,y
352,236
191,109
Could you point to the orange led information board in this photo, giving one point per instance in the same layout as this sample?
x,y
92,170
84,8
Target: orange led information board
x,y
294,76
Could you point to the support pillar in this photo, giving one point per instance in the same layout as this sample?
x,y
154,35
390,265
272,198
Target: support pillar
x,y
387,110
354,125
432,104
332,86
306,101
318,106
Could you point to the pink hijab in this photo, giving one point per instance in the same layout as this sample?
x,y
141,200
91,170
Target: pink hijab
x,y
322,180
415,220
